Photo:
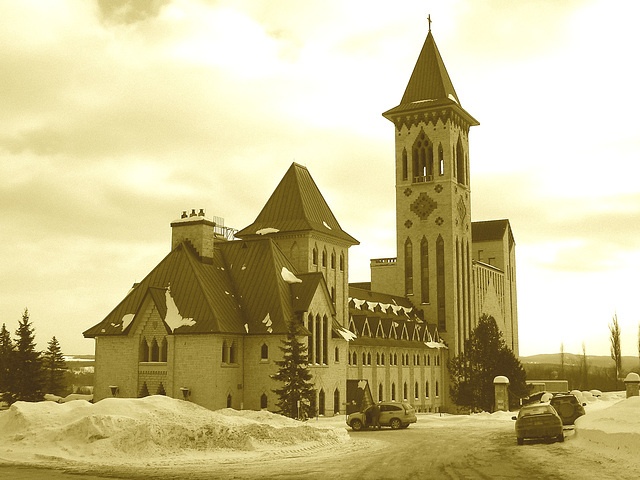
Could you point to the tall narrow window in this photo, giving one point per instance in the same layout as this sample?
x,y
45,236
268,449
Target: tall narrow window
x,y
325,340
163,350
155,351
314,256
404,391
393,392
232,352
424,270
324,258
405,172
460,163
440,160
264,352
263,400
333,259
321,402
426,389
310,339
229,401
442,323
336,354
336,401
318,334
144,350
341,262
437,392
380,393
408,267
225,359
415,393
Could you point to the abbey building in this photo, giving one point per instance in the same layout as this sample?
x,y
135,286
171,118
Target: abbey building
x,y
207,322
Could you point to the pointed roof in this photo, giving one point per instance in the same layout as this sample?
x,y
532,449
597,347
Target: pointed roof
x,y
430,85
296,205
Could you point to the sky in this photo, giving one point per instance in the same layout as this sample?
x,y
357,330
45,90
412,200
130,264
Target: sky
x,y
115,116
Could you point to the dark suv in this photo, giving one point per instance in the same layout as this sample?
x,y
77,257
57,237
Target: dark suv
x,y
568,407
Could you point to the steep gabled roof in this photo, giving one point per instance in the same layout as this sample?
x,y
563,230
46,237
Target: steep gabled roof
x,y
198,289
430,85
302,293
296,205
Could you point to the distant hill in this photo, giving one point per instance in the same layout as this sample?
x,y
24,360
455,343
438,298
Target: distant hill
x,y
629,363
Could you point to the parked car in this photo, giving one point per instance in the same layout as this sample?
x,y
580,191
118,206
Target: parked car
x,y
568,407
392,414
538,420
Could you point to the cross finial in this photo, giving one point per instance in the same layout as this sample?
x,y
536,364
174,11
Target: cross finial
x,y
429,19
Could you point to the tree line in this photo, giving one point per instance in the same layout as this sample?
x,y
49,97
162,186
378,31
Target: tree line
x,y
26,374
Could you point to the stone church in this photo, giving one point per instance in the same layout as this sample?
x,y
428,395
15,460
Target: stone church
x,y
207,322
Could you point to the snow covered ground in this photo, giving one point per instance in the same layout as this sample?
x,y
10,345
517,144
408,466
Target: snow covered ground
x,y
172,432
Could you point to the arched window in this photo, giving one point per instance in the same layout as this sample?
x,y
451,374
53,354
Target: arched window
x,y
232,352
325,339
336,401
378,358
264,352
428,360
405,172
355,358
155,351
442,321
318,359
422,159
144,350
229,401
426,389
460,163
395,359
321,402
424,270
333,260
408,267
314,256
225,358
415,393
380,399
364,358
336,354
393,392
437,393
310,339
440,160
163,350
368,358
341,262
382,359
405,391
324,258
263,400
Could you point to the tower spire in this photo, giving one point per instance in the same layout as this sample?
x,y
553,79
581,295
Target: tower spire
x,y
429,19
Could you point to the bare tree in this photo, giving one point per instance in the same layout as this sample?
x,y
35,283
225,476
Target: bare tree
x,y
616,353
585,368
562,360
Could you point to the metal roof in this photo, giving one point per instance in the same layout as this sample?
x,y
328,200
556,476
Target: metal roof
x,y
429,85
241,291
490,230
297,205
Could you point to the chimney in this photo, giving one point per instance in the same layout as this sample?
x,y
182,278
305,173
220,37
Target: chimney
x,y
195,229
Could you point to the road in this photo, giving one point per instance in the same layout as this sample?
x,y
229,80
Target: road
x,y
455,450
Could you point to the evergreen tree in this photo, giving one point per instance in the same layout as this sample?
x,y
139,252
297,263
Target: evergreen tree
x,y
616,353
6,359
585,368
484,357
28,373
562,376
297,394
54,368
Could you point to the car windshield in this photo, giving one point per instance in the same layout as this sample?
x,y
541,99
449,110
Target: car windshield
x,y
536,410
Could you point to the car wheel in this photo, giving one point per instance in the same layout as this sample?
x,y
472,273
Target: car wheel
x,y
395,423
356,425
520,441
561,437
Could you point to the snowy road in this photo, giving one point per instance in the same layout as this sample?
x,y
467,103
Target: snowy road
x,y
453,447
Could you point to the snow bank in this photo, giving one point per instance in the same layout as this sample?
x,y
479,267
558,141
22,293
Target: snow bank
x,y
617,426
117,429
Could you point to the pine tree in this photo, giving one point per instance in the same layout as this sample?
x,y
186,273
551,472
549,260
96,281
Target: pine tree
x,y
7,352
54,368
484,357
616,353
297,394
28,373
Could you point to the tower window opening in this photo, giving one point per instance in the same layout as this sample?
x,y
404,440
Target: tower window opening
x,y
408,267
405,171
440,160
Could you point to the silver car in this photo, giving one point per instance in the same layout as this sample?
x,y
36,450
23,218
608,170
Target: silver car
x,y
392,414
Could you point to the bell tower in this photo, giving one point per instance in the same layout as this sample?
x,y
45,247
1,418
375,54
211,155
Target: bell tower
x,y
433,198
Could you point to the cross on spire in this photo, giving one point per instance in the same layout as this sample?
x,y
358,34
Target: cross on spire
x,y
429,19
